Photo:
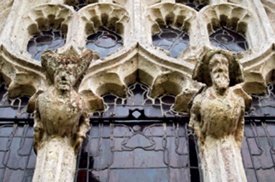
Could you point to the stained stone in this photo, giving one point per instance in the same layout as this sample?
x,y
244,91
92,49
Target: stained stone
x,y
217,117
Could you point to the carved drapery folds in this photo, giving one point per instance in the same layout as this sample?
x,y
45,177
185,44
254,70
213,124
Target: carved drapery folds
x,y
217,116
61,115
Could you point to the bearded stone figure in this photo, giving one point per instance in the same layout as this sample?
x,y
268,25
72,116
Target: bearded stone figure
x,y
61,117
217,117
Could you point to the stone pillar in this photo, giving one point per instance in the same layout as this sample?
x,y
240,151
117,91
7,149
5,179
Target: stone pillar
x,y
217,117
60,115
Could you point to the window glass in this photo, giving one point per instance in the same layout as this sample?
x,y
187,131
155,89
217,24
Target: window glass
x,y
195,4
104,42
51,39
264,104
78,4
228,39
138,138
172,40
12,108
140,148
138,104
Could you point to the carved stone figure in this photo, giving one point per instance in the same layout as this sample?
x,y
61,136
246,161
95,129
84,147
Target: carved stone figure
x,y
217,117
61,116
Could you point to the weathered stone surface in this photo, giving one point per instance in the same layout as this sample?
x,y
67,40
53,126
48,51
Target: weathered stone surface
x,y
217,117
61,116
136,21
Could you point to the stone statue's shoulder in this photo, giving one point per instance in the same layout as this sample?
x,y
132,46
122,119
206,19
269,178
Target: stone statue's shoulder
x,y
33,100
240,94
196,102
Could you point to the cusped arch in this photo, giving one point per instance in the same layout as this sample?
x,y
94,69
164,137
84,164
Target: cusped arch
x,y
168,83
268,68
113,77
111,16
177,84
22,79
233,17
172,15
107,83
254,83
44,16
259,71
41,18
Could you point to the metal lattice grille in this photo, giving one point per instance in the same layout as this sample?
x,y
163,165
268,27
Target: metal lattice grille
x,y
140,152
134,146
258,150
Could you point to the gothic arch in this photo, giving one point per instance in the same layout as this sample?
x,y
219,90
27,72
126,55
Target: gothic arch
x,y
94,16
40,18
234,17
115,76
174,15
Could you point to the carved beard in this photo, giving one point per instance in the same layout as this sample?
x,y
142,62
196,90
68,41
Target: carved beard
x,y
221,82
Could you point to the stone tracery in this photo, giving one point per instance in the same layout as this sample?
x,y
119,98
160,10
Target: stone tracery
x,y
137,59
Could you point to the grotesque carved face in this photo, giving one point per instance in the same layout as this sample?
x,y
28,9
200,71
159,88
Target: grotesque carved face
x,y
64,79
219,71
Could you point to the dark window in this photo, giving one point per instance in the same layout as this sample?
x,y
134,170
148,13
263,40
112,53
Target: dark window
x,y
134,142
264,104
195,4
12,108
51,39
78,4
16,152
138,138
104,42
258,149
172,40
138,104
17,159
145,150
228,39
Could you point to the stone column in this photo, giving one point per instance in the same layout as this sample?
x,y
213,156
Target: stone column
x,y
60,115
217,117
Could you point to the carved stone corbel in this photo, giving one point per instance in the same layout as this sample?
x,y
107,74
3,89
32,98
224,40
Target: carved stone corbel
x,y
217,117
60,115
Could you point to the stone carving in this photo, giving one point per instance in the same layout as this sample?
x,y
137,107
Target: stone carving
x,y
61,116
217,117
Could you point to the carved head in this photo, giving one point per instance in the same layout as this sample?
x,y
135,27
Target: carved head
x,y
65,77
218,67
64,70
219,73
